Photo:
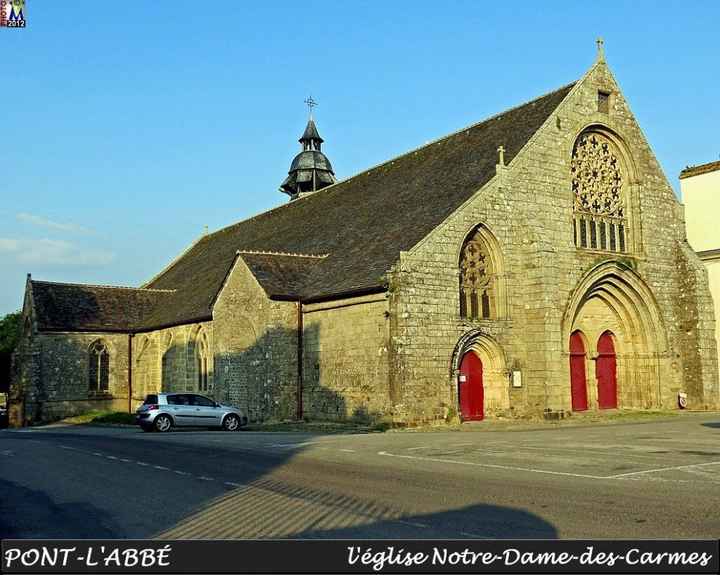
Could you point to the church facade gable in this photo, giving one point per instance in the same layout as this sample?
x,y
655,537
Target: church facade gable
x,y
590,234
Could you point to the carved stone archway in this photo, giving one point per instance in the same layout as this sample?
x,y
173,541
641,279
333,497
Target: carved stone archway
x,y
612,297
495,373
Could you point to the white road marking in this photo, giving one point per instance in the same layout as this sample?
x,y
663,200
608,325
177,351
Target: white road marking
x,y
232,484
348,450
142,463
493,466
161,468
203,478
421,447
126,460
659,469
180,472
412,523
293,444
67,447
7,452
111,457
473,535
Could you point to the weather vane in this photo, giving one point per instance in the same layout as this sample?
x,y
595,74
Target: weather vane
x,y
310,104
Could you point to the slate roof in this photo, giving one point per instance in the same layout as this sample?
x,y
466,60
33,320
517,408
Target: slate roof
x,y
74,307
361,223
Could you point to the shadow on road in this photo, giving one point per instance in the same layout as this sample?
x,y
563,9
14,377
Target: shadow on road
x,y
713,424
22,509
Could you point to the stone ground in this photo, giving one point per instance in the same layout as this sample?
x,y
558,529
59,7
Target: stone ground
x,y
655,479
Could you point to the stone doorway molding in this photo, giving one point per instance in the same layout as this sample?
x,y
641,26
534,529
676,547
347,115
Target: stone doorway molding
x,y
612,296
495,373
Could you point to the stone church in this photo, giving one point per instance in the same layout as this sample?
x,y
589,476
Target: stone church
x,y
534,263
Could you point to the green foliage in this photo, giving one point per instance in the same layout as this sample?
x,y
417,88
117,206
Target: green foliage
x,y
102,417
10,328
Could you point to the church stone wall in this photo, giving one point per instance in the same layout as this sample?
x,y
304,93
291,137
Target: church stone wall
x,y
345,368
165,360
255,348
52,381
528,208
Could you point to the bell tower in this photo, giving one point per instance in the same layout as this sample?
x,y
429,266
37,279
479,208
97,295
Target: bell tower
x,y
310,170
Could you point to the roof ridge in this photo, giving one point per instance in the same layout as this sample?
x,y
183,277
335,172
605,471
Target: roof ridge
x,y
101,286
391,160
291,254
699,169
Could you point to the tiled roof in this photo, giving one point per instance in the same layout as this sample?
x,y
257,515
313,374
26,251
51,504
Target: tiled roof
x,y
75,307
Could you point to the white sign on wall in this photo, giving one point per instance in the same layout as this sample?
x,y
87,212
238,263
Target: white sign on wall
x,y
517,378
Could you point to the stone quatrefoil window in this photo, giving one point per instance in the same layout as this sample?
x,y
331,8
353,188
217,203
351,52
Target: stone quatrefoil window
x,y
99,367
476,278
597,185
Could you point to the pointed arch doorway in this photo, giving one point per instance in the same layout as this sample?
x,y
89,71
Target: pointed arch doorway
x,y
471,391
606,372
578,383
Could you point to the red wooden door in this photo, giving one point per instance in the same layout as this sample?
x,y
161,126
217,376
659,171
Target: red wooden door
x,y
606,371
578,384
471,388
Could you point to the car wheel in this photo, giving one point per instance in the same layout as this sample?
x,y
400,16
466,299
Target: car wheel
x,y
163,423
231,423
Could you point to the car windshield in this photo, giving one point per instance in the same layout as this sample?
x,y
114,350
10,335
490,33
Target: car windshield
x,y
150,399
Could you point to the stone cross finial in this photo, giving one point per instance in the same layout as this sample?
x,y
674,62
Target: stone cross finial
x,y
310,104
501,151
600,48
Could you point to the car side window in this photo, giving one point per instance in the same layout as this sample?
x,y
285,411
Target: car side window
x,y
202,401
177,399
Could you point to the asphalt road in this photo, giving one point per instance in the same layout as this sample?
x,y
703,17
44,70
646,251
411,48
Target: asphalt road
x,y
649,480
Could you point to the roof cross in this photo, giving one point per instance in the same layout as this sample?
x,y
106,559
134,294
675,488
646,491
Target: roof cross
x,y
310,104
501,151
600,48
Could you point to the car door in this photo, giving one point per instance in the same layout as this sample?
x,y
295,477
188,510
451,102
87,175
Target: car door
x,y
206,412
179,407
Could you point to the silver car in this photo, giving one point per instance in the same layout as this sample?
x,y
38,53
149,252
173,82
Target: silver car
x,y
163,411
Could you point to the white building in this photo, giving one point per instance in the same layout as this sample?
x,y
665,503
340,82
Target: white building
x,y
700,187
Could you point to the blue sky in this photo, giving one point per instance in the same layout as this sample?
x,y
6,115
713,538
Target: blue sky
x,y
129,126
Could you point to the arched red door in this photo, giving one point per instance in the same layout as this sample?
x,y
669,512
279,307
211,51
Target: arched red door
x,y
471,388
606,372
578,384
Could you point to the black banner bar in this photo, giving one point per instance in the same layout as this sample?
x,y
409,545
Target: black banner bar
x,y
357,556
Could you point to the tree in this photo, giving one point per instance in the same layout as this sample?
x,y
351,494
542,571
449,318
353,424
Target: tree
x,y
10,328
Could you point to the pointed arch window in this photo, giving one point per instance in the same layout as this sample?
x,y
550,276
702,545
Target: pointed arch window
x,y
201,358
99,367
478,278
599,179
